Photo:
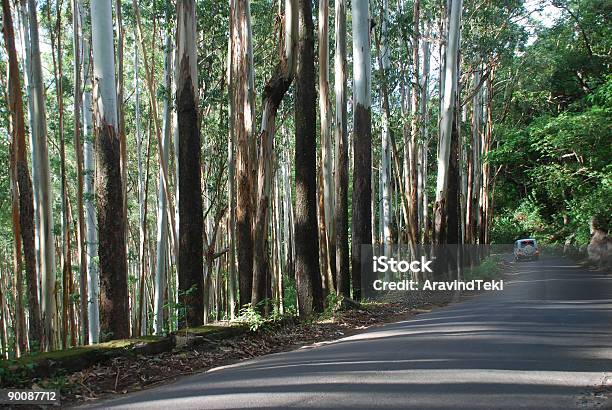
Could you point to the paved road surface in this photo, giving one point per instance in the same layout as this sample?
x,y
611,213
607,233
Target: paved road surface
x,y
545,342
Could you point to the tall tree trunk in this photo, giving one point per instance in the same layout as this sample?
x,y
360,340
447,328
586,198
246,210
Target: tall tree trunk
x,y
273,94
327,158
413,214
78,147
120,112
45,194
232,288
114,315
446,123
162,203
232,280
66,255
385,149
341,147
93,279
424,147
190,261
23,183
362,148
25,34
486,211
243,130
474,168
307,270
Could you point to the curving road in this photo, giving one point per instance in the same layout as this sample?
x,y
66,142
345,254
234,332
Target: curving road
x,y
544,342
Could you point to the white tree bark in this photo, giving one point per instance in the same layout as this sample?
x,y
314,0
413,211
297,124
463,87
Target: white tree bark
x,y
25,39
162,203
93,290
232,279
385,149
326,135
424,146
362,68
448,104
46,238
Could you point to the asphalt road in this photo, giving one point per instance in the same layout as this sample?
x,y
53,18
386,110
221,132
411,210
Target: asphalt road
x,y
544,342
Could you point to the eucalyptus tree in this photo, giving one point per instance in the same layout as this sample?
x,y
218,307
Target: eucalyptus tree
x,y
114,314
190,252
242,94
78,147
274,92
93,279
413,216
341,150
23,202
162,202
362,147
385,148
424,145
327,159
448,99
307,271
231,154
46,236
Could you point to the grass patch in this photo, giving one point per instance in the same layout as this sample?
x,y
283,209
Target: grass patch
x,y
489,268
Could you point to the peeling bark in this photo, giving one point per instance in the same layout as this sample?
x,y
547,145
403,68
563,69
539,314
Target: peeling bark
x,y
307,270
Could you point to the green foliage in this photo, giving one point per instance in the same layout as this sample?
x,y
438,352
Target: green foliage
x,y
252,317
554,145
488,269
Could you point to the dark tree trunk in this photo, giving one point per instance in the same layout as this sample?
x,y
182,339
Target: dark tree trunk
x,y
24,183
190,263
453,228
362,191
342,179
307,270
114,316
244,196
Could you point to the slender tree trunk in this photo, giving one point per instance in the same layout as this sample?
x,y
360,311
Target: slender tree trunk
x,y
423,206
120,112
66,255
93,281
141,324
327,158
114,320
162,204
243,130
232,282
307,270
141,188
25,38
362,176
341,147
45,215
190,261
22,179
385,152
413,208
446,123
78,147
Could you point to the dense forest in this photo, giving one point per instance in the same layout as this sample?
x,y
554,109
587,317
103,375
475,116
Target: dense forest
x,y
171,164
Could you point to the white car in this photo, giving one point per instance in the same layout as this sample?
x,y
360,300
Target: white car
x,y
526,249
